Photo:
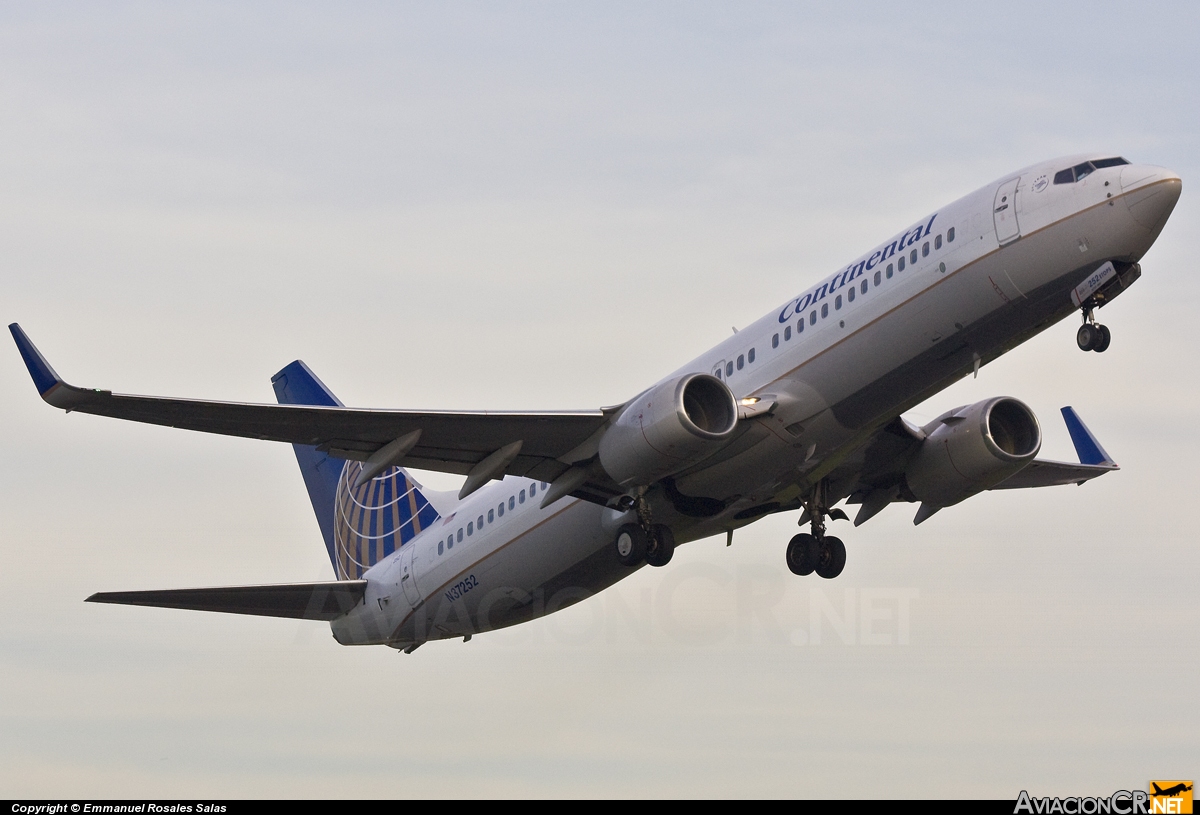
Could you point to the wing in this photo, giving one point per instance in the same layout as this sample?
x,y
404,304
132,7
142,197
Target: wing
x,y
546,444
874,475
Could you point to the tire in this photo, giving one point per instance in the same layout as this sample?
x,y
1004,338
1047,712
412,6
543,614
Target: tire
x,y
1086,337
630,545
833,558
661,547
1103,340
802,554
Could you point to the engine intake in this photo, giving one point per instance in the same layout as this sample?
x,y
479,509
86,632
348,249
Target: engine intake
x,y
971,449
667,428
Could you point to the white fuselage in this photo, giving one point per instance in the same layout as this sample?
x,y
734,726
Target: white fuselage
x,y
990,270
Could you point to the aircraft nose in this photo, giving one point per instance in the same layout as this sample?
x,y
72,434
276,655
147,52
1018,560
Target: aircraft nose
x,y
1150,193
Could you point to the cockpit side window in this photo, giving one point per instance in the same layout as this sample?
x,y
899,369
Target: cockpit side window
x,y
1082,171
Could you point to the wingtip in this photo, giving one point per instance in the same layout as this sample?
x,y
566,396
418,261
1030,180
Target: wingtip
x,y
1087,446
44,376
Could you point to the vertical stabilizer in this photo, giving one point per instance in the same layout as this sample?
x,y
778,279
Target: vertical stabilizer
x,y
361,525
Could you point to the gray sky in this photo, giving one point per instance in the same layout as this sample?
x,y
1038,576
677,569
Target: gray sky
x,y
551,206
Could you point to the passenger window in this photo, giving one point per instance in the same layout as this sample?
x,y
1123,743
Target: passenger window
x,y
900,264
787,332
799,325
750,355
728,369
522,497
924,250
1064,177
741,361
937,242
491,515
500,509
850,294
824,309
450,541
950,235
512,502
912,256
863,287
460,535
479,523
889,269
440,545
878,276
837,301
533,489
775,341
812,317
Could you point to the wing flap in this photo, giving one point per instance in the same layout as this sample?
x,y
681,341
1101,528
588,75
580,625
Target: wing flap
x,y
304,601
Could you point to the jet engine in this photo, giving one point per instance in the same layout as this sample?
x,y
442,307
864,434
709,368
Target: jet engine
x,y
971,449
670,426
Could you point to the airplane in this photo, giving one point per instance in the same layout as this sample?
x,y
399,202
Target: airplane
x,y
1169,792
797,412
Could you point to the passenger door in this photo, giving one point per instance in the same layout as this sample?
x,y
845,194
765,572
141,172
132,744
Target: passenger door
x,y
1004,212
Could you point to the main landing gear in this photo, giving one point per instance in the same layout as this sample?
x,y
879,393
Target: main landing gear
x,y
817,552
1092,336
651,542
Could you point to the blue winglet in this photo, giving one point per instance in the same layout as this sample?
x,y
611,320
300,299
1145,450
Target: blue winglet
x,y
43,375
1089,450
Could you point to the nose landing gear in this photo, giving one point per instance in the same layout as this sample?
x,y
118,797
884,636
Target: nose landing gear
x,y
817,552
1092,336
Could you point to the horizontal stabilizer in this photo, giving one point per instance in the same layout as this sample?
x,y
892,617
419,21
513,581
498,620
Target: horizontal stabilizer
x,y
303,601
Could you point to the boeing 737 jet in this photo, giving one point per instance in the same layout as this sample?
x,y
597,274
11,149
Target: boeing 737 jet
x,y
798,412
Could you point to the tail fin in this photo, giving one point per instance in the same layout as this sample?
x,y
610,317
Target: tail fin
x,y
360,526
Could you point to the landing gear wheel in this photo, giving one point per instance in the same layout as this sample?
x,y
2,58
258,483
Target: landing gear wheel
x,y
802,552
661,545
832,558
630,545
1087,336
1103,340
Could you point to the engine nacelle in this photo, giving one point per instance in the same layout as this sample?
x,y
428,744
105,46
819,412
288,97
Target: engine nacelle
x,y
973,448
668,427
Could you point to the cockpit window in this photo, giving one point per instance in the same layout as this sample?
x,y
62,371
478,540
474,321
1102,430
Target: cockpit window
x,y
1082,171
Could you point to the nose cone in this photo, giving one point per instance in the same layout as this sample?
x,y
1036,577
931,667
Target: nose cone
x,y
1150,193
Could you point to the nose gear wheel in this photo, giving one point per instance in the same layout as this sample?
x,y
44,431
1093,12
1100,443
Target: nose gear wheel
x,y
1092,336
